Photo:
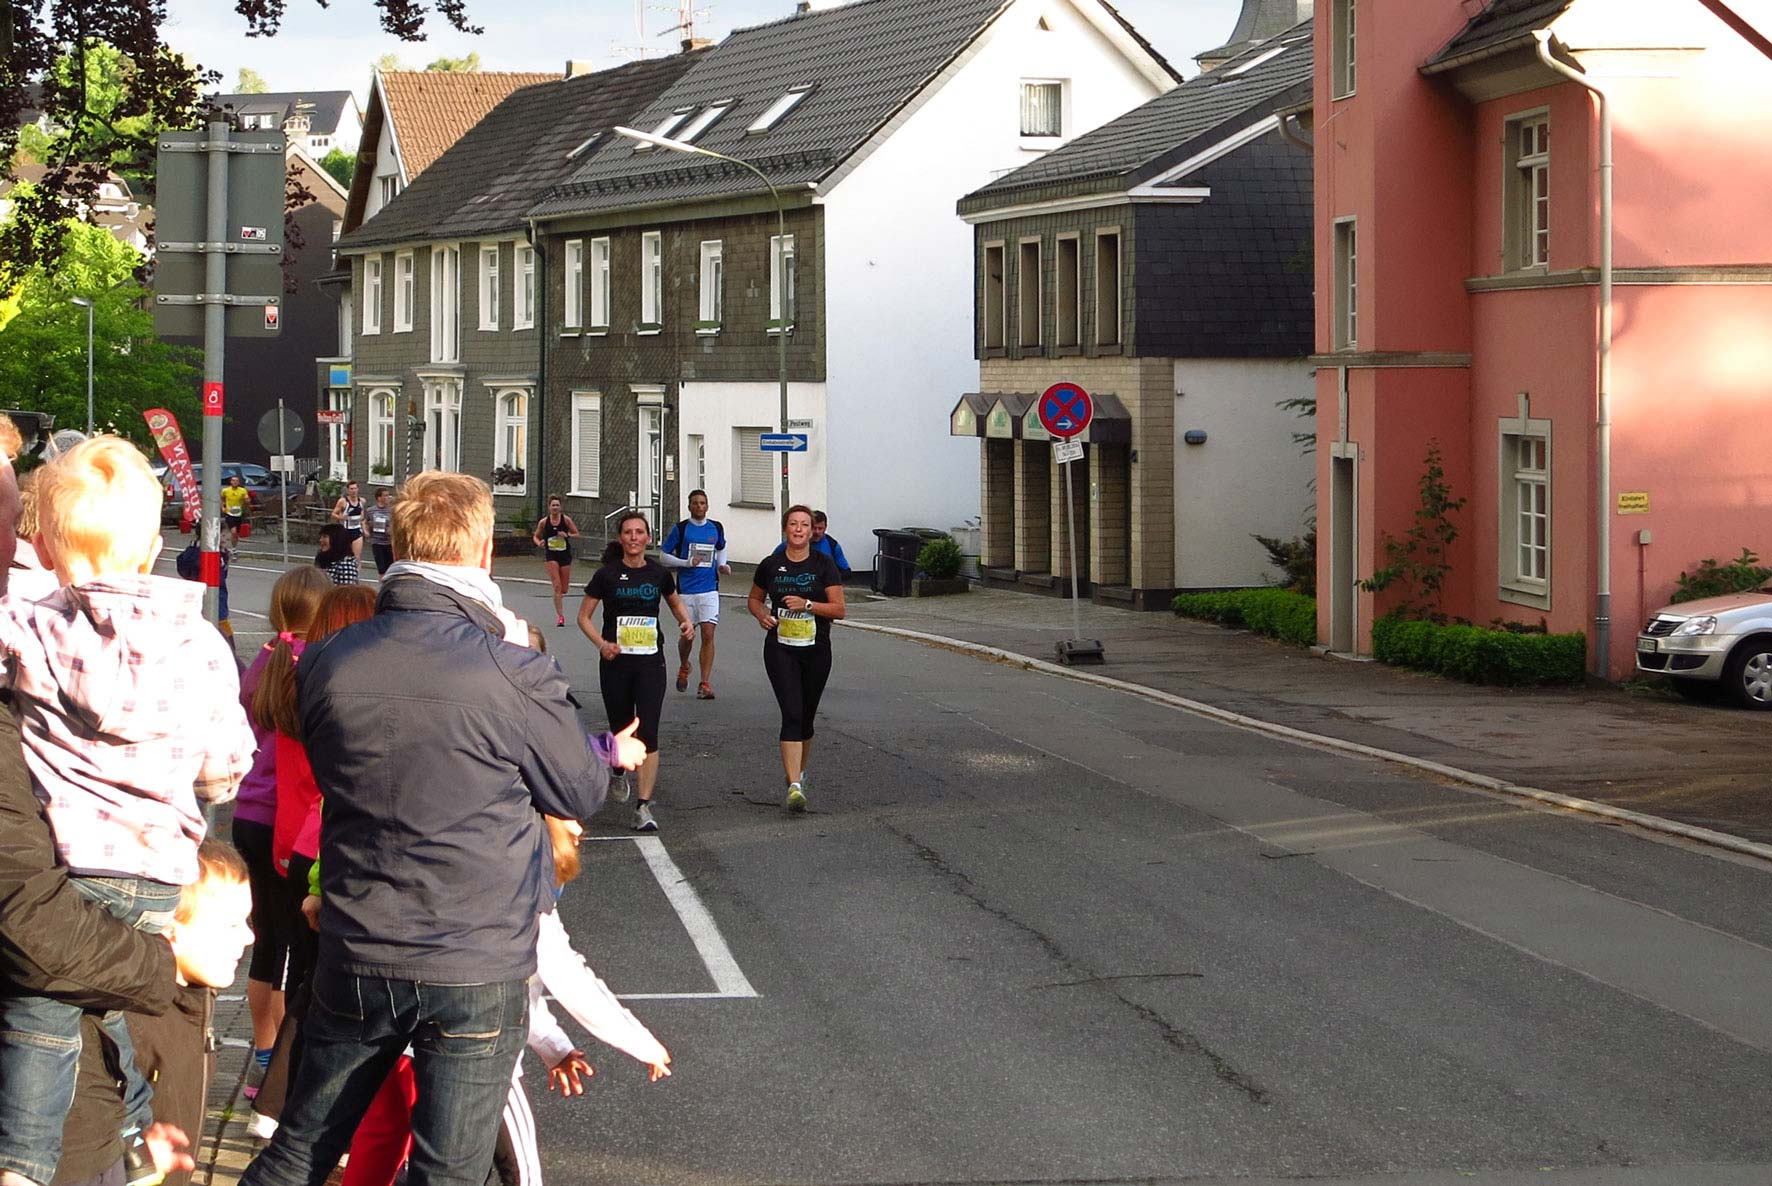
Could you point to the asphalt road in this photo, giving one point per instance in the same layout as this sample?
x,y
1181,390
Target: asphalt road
x,y
1036,932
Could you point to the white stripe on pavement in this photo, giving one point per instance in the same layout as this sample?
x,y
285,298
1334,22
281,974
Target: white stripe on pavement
x,y
728,978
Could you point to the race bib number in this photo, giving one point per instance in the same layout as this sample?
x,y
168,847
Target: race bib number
x,y
556,543
637,636
796,628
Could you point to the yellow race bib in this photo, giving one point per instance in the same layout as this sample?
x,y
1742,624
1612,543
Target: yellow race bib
x,y
796,628
556,543
636,635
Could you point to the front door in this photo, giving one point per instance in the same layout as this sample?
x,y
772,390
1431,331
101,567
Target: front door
x,y
651,492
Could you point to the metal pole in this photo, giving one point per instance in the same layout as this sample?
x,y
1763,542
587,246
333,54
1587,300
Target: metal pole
x,y
1070,515
215,287
781,335
283,475
89,309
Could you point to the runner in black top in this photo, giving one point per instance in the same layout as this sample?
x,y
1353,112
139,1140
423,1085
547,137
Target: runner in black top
x,y
797,595
632,674
554,536
378,525
348,510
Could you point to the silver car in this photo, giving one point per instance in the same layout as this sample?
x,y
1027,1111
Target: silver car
x,y
1719,644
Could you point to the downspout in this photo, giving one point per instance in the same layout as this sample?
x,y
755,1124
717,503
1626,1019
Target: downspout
x,y
541,369
1295,137
1603,406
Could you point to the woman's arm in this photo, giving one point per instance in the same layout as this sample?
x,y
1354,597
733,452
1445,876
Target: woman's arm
x,y
587,622
833,606
571,527
536,534
758,610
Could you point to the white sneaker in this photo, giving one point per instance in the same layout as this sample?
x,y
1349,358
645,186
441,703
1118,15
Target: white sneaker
x,y
643,821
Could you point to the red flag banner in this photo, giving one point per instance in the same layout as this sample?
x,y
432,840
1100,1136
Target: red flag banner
x,y
163,426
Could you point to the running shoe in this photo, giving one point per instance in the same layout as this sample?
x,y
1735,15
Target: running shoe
x,y
643,821
621,786
705,692
683,678
562,620
796,801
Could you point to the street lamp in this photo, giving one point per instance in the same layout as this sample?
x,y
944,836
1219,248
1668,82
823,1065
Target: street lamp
x,y
86,303
781,225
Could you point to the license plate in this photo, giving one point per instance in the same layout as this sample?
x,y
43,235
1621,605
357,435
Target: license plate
x,y
1648,646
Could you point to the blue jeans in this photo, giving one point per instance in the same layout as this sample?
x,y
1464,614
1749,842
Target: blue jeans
x,y
465,1040
40,1043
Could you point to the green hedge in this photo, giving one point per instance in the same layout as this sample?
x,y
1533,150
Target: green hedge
x,y
1479,655
1277,613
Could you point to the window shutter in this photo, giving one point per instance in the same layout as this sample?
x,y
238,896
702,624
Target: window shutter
x,y
756,473
587,457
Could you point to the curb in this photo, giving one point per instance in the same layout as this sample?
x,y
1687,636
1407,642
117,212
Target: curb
x,y
1502,786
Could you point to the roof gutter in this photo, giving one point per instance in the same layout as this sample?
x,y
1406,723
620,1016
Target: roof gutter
x,y
1446,65
1602,662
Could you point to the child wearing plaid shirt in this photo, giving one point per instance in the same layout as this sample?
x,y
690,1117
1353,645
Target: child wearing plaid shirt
x,y
129,706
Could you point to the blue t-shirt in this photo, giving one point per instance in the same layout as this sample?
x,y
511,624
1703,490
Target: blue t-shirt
x,y
828,547
680,542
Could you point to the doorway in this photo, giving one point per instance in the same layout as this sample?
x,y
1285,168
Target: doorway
x,y
1343,596
651,470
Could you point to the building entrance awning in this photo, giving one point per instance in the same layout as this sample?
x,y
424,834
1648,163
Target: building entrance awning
x,y
1016,416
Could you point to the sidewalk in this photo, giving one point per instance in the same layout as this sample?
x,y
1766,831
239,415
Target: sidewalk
x,y
1634,748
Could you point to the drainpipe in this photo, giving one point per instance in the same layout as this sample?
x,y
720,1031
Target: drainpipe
x,y
1603,408
541,368
1295,135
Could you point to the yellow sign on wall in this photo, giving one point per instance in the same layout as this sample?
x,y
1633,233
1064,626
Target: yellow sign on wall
x,y
1633,502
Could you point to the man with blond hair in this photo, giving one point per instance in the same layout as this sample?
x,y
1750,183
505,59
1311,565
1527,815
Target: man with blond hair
x,y
435,743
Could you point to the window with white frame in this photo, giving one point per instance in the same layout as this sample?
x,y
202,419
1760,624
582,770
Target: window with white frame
x,y
1069,291
1525,488
387,187
1042,109
651,280
489,286
784,280
442,440
1342,60
1345,311
587,443
572,307
523,288
338,436
1028,294
778,110
704,119
381,433
600,284
712,285
446,304
405,291
667,125
510,445
993,316
372,294
754,475
695,461
1526,196
1108,310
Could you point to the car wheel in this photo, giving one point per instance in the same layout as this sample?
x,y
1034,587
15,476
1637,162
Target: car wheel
x,y
1748,674
1698,691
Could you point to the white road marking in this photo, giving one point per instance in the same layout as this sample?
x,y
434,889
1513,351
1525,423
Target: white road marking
x,y
729,979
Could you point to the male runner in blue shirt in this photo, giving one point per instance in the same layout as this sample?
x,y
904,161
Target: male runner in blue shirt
x,y
696,547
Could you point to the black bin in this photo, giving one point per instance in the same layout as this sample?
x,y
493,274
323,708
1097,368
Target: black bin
x,y
895,563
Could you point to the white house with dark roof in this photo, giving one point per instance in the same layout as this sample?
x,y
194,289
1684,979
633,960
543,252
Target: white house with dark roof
x,y
668,288
316,122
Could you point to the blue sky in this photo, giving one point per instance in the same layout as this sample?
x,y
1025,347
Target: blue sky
x,y
331,49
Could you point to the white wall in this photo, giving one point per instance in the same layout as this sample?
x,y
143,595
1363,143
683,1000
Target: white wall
x,y
713,410
1248,478
386,161
899,274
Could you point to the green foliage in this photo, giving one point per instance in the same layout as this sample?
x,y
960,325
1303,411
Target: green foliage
x,y
1710,579
251,82
1296,559
467,65
1417,564
1480,655
940,559
1305,408
341,164
43,342
1277,613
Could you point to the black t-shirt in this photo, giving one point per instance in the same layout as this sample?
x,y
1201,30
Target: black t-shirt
x,y
631,598
780,577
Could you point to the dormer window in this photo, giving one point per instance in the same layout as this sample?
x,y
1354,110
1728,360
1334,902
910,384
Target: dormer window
x,y
1042,110
778,110
703,121
1258,60
667,125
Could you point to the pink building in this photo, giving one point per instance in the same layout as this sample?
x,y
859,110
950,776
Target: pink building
x,y
1462,273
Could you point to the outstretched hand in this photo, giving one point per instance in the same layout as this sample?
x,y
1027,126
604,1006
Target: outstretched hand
x,y
659,1069
565,1075
166,1146
630,751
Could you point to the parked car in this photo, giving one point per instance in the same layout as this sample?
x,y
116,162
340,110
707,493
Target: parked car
x,y
1715,645
264,486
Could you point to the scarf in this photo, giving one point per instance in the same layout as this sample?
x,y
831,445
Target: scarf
x,y
469,581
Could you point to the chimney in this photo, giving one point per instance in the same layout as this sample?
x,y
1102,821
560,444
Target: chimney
x,y
806,6
691,44
578,66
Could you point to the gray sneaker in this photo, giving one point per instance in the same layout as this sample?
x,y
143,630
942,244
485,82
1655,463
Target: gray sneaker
x,y
643,821
620,787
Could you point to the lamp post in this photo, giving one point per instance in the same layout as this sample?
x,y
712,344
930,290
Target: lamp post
x,y
86,303
781,225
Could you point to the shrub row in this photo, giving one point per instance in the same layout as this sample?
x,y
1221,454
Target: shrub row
x,y
1277,613
1479,655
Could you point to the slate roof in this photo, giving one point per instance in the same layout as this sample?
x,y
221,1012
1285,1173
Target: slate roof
x,y
327,110
1259,20
487,179
1148,139
432,109
864,61
1498,26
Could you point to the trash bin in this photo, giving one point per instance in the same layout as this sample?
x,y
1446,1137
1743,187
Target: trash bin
x,y
895,563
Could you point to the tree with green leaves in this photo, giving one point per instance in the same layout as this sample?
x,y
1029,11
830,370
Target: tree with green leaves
x,y
251,82
43,341
467,65
108,84
341,164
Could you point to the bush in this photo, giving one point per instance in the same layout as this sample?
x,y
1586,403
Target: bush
x,y
940,559
1296,559
1277,613
1480,655
1711,579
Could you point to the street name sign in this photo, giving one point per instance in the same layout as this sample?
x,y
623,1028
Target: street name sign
x,y
783,442
1065,410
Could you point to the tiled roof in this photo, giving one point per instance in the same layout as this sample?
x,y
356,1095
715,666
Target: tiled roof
x,y
489,177
325,108
1259,20
1502,22
432,109
864,61
1146,139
